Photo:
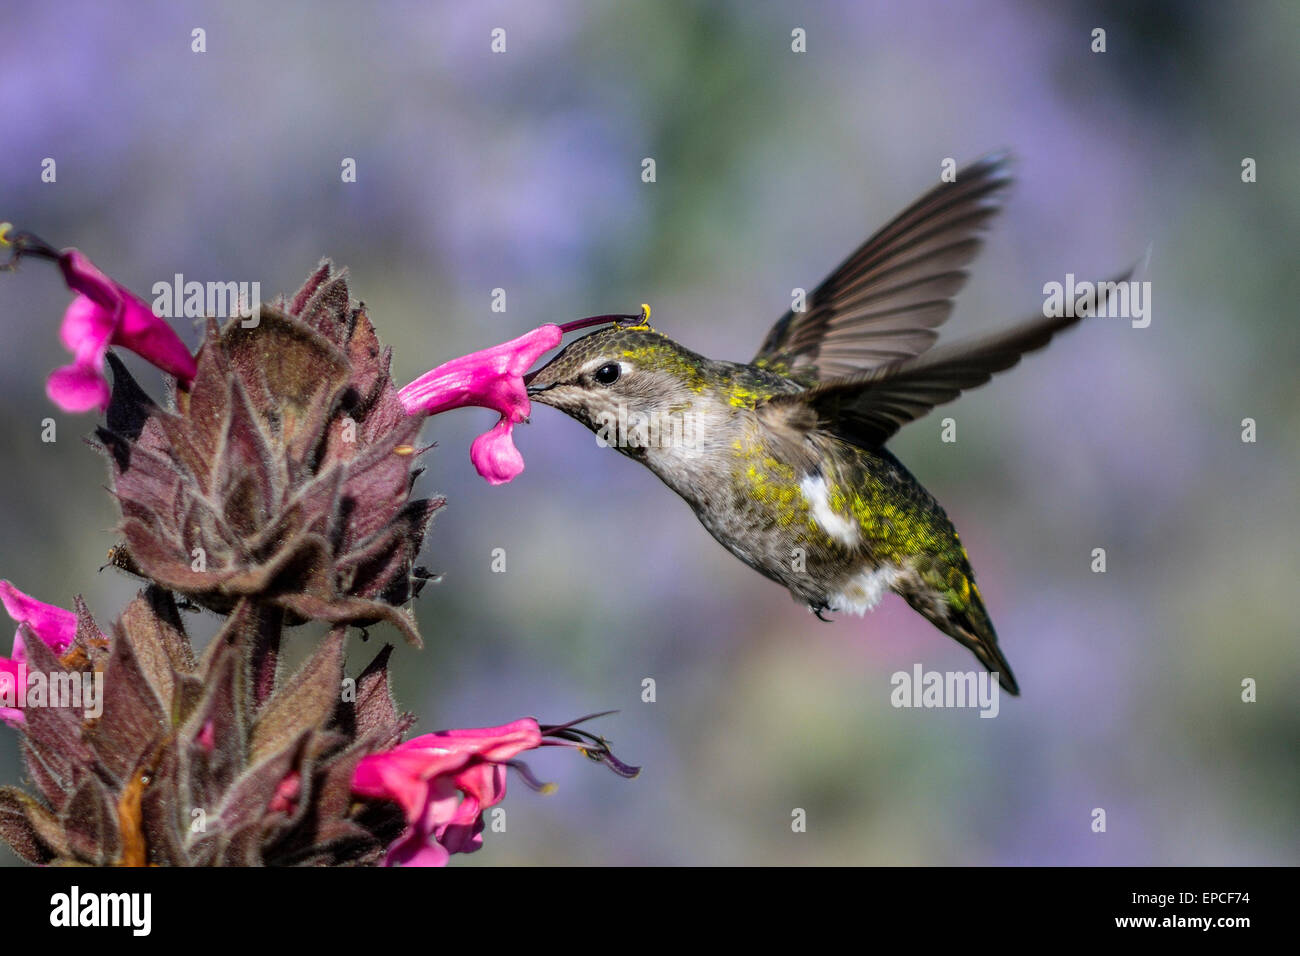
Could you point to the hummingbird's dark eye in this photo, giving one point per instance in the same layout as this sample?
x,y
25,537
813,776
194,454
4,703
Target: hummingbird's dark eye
x,y
608,374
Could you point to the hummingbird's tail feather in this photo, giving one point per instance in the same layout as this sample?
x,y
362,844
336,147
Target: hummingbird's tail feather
x,y
971,627
985,648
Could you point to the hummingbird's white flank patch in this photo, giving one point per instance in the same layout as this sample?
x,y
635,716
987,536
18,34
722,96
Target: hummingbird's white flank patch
x,y
863,591
842,529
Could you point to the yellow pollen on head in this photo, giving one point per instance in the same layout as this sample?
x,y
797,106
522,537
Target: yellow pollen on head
x,y
643,322
5,229
404,450
665,359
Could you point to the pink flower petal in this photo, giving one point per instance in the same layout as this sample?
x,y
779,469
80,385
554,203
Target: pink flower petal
x,y
463,837
103,314
495,456
493,743
152,338
483,784
85,278
416,850
53,625
87,326
79,387
11,675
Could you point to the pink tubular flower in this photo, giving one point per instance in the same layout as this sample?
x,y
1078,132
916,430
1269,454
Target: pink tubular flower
x,y
492,378
444,781
103,314
53,625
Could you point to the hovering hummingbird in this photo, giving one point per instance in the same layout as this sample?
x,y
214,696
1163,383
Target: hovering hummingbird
x,y
787,466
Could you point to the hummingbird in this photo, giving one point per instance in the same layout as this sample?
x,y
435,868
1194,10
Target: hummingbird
x,y
786,464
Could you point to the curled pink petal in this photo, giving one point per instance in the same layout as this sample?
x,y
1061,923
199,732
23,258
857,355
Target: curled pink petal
x,y
53,625
79,387
495,456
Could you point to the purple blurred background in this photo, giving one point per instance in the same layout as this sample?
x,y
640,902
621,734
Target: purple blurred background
x,y
522,171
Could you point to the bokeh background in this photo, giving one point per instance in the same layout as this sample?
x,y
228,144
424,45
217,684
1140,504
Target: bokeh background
x,y
522,170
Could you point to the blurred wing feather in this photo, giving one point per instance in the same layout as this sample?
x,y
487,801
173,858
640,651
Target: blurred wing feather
x,y
884,302
869,407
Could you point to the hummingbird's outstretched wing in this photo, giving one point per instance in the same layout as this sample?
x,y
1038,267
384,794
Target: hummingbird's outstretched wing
x,y
869,407
884,302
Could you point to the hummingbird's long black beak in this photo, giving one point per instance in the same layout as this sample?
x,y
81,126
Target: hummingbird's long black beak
x,y
530,387
574,326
